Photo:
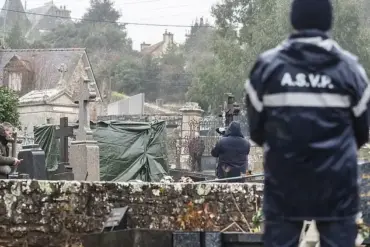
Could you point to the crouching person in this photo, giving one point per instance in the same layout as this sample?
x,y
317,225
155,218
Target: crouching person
x,y
6,162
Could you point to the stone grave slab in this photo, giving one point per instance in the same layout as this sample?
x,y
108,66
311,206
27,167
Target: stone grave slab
x,y
208,163
211,239
195,176
197,239
129,238
33,162
242,239
186,239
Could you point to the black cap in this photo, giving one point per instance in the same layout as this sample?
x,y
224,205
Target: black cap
x,y
312,14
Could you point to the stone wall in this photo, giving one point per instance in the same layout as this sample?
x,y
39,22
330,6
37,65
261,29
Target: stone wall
x,y
45,213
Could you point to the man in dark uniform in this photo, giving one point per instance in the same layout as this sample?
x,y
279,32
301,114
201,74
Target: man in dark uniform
x,y
307,106
232,153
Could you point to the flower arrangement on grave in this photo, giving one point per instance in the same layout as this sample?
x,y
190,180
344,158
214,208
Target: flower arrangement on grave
x,y
196,218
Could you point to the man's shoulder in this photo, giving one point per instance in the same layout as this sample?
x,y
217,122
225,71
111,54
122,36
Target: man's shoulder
x,y
344,54
270,55
350,60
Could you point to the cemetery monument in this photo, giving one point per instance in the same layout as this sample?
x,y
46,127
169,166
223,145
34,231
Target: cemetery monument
x,y
85,151
64,171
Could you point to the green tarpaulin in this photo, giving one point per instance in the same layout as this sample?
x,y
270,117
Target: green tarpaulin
x,y
45,137
128,150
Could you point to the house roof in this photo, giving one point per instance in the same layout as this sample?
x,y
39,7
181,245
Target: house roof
x,y
150,49
38,96
13,12
48,65
41,12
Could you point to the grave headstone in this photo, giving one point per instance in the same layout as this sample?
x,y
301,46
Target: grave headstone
x,y
64,171
85,151
117,220
33,162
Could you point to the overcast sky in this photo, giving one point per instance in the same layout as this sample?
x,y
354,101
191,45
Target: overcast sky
x,y
175,12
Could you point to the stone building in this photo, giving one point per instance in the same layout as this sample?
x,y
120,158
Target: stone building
x,y
13,13
47,82
33,22
43,19
159,48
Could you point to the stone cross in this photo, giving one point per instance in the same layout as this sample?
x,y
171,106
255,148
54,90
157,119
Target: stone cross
x,y
83,99
62,69
85,151
63,133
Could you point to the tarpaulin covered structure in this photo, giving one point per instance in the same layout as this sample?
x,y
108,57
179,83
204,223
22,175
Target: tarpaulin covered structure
x,y
128,150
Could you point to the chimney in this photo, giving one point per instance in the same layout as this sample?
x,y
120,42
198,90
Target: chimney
x,y
165,35
201,23
143,46
159,102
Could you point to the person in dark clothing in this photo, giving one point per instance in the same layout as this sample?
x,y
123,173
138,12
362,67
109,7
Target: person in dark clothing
x,y
196,150
232,153
307,106
6,162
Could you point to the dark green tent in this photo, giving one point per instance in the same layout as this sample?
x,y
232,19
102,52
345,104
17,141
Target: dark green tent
x,y
128,150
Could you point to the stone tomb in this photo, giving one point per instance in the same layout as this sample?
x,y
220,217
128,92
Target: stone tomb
x,y
84,152
33,162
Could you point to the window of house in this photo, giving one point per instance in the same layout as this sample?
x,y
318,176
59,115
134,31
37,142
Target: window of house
x,y
15,81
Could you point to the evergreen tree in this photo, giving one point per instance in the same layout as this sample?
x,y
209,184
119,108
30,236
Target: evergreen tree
x,y
15,39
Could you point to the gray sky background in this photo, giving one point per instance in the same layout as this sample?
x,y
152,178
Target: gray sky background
x,y
175,12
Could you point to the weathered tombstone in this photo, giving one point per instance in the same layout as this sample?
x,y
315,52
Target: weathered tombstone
x,y
64,171
85,151
33,162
